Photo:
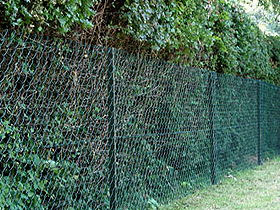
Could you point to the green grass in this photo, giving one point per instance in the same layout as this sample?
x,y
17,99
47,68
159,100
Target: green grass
x,y
255,189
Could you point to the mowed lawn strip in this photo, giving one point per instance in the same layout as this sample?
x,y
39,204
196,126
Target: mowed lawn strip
x,y
254,189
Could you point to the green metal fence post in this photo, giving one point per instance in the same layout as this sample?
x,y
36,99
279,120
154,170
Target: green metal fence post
x,y
111,131
259,102
212,93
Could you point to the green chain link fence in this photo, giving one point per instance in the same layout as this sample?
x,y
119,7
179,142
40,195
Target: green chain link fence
x,y
86,127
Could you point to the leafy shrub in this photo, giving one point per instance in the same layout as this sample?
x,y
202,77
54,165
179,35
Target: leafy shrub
x,y
215,35
274,51
19,178
55,14
174,25
33,177
51,153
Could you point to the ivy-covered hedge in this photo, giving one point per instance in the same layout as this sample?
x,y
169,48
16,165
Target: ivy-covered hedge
x,y
56,14
216,34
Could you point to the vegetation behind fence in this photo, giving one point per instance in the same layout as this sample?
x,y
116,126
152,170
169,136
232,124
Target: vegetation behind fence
x,y
84,127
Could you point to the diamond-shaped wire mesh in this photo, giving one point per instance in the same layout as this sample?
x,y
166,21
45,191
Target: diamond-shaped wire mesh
x,y
84,127
162,130
53,125
270,109
236,123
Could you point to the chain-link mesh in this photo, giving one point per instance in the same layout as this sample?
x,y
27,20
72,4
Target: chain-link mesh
x,y
236,123
84,127
53,125
162,130
270,109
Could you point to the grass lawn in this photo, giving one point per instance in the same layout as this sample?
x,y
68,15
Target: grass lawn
x,y
255,189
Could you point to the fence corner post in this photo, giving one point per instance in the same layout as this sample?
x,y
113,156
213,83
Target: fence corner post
x,y
111,130
212,104
259,102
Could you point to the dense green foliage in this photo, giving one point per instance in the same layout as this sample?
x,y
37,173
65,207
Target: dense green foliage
x,y
56,14
212,34
46,160
34,176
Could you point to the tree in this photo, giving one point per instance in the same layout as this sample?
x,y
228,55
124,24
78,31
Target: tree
x,y
273,5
